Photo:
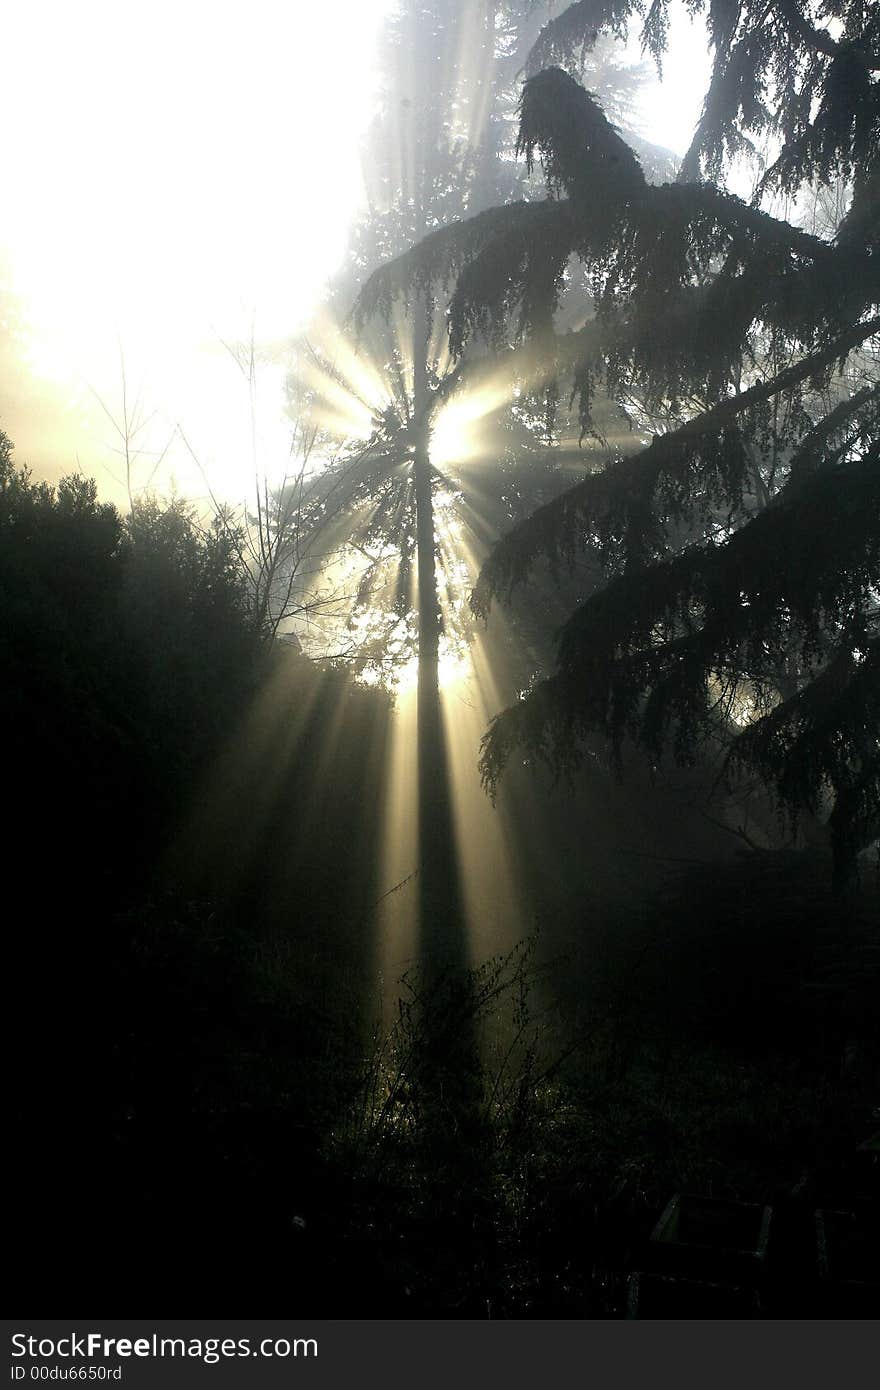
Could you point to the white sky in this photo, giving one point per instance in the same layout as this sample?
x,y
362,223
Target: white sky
x,y
174,171
669,110
171,172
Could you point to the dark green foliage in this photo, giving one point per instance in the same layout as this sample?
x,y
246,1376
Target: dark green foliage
x,y
777,590
133,668
825,735
511,262
776,70
659,1055
188,874
194,1087
570,36
193,1105
680,274
127,646
738,552
582,151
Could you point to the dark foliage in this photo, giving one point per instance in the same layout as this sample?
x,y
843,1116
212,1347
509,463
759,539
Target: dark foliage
x,y
199,1114
197,1106
738,551
175,902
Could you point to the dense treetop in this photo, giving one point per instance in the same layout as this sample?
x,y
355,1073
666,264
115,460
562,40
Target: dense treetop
x,y
738,537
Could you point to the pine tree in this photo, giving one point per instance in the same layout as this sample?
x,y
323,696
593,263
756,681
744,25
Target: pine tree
x,y
442,148
738,549
435,153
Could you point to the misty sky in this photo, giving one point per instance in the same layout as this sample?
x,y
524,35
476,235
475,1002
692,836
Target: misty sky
x,y
174,175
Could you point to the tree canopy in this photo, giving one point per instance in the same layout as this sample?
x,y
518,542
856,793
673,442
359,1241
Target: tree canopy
x,y
440,150
737,540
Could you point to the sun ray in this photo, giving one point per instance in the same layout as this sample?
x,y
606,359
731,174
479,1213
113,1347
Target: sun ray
x,y
488,417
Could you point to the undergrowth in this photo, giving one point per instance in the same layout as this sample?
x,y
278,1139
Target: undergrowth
x,y
505,1164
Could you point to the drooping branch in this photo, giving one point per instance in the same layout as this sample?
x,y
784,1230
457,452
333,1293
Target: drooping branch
x,y
569,36
797,569
859,412
605,507
824,739
638,659
652,253
441,255
580,149
801,27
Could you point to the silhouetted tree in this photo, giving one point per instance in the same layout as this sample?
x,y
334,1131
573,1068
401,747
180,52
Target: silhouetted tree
x,y
441,149
738,550
192,862
434,153
128,645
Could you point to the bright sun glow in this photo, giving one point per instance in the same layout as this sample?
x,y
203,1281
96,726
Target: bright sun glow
x,y
668,108
453,667
349,395
180,177
179,182
456,437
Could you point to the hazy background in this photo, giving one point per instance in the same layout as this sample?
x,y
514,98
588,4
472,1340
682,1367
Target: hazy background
x,y
176,179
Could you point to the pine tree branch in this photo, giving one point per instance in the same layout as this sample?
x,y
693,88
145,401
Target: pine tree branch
x,y
798,23
554,530
811,366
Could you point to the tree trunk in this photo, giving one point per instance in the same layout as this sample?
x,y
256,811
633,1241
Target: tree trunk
x,y
441,924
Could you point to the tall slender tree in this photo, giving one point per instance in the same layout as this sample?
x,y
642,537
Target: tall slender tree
x,y
441,148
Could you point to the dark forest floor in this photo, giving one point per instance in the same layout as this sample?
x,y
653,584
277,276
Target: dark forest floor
x,y
222,1138
726,1045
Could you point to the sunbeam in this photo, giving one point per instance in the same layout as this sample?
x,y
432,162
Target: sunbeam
x,y
469,441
